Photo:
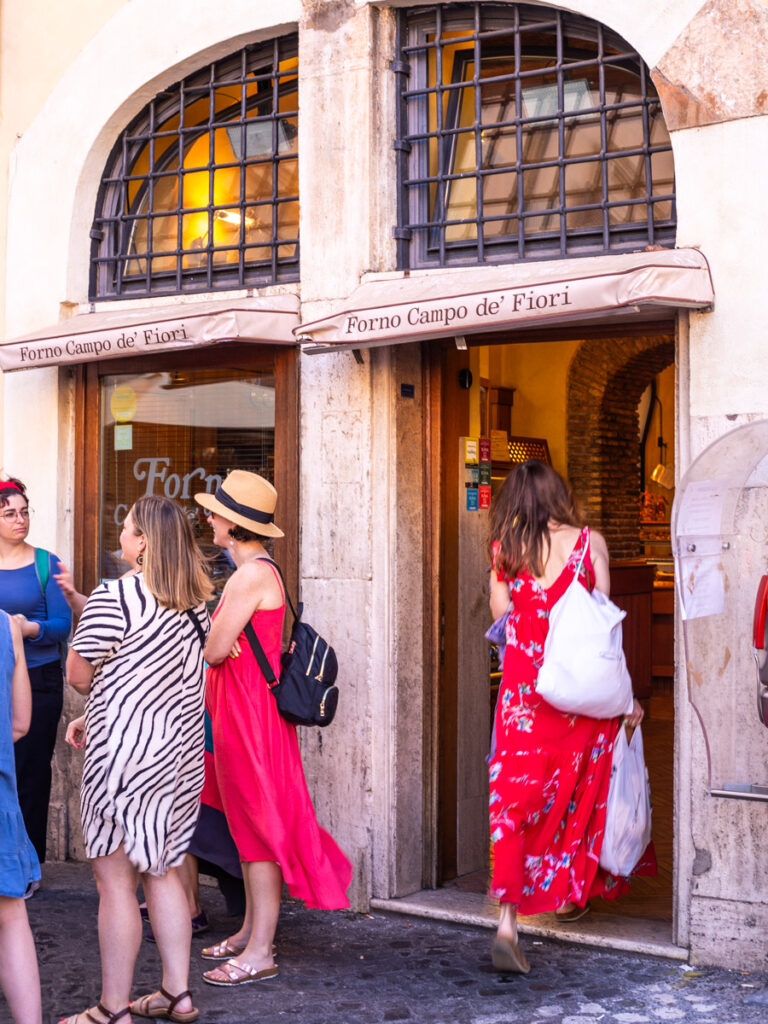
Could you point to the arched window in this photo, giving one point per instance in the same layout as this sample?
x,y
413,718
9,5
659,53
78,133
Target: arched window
x,y
200,192
526,133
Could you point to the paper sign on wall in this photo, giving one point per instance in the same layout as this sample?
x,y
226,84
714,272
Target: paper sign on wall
x,y
123,437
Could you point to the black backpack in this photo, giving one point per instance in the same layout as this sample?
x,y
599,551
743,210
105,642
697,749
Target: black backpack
x,y
305,693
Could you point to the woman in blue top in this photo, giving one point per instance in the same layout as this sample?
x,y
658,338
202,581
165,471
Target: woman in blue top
x,y
45,622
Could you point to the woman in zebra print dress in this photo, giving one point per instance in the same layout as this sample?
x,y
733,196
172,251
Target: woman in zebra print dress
x,y
138,656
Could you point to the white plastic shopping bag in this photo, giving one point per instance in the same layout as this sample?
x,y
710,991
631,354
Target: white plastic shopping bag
x,y
628,814
584,670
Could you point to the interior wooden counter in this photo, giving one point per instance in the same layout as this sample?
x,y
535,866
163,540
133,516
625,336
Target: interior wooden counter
x,y
632,590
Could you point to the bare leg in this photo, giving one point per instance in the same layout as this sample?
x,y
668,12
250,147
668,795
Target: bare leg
x,y
19,976
240,938
172,928
506,953
119,926
263,886
507,928
188,874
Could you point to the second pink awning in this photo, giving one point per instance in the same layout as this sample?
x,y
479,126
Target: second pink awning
x,y
470,301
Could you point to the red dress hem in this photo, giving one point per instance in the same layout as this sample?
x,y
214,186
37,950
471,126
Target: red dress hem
x,y
257,777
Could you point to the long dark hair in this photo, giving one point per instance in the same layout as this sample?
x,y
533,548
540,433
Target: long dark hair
x,y
532,494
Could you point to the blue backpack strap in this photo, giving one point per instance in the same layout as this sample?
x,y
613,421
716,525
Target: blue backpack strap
x,y
43,571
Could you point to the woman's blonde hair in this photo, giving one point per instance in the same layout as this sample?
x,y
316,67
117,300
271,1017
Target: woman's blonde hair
x,y
532,494
174,567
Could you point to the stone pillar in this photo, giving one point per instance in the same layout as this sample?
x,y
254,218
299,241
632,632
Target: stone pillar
x,y
351,428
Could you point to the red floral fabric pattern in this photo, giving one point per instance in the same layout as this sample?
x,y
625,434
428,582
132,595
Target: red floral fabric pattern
x,y
549,772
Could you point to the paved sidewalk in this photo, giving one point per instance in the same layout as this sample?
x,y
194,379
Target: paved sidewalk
x,y
339,968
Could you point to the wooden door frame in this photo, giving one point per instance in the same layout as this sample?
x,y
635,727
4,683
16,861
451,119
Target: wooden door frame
x,y
87,443
443,420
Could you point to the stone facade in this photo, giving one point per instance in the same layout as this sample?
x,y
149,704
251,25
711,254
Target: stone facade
x,y
366,526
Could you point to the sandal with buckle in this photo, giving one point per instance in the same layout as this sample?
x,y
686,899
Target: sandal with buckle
x,y
108,1017
236,973
225,951
221,951
142,1008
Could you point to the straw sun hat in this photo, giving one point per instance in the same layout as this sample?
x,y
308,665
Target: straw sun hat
x,y
246,499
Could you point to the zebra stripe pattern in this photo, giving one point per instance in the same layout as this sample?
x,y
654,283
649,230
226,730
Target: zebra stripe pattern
x,y
143,770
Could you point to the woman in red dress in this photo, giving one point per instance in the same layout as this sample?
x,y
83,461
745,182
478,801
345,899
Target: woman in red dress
x,y
255,775
549,771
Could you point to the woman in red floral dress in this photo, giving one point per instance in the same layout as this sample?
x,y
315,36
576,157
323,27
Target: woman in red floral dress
x,y
549,771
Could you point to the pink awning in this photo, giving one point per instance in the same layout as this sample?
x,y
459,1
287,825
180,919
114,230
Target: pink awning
x,y
153,329
473,300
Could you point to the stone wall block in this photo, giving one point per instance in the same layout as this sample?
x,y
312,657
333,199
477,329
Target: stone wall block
x,y
727,932
337,759
335,94
716,69
335,467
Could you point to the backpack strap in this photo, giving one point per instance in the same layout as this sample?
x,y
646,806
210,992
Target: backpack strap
x,y
252,637
198,628
258,651
43,572
279,571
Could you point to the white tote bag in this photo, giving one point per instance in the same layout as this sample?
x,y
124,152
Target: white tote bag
x,y
628,812
584,671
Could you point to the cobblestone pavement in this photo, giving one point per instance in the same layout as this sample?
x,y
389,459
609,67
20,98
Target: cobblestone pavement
x,y
346,967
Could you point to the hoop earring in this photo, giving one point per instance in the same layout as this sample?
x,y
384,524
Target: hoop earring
x,y
140,559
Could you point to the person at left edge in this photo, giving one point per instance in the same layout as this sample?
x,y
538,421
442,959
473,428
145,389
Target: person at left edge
x,y
39,608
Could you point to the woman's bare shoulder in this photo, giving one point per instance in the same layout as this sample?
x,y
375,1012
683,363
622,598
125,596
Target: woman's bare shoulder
x,y
255,575
597,543
563,538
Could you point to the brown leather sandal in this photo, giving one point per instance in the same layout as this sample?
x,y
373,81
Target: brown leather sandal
x,y
233,972
109,1018
222,951
142,1008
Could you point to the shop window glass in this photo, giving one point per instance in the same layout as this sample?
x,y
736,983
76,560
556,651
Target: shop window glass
x,y
201,190
526,133
175,433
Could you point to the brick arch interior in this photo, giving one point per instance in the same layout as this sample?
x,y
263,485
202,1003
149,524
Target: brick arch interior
x,y
606,379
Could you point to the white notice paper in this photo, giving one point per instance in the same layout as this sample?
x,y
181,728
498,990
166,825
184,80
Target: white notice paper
x,y
701,508
702,589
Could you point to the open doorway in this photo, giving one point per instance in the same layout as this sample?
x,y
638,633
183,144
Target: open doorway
x,y
600,408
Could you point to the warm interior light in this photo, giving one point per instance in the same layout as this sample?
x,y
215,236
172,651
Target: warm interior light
x,y
233,217
664,476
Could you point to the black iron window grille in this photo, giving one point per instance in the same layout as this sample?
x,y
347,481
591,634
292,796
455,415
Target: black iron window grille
x,y
201,191
525,133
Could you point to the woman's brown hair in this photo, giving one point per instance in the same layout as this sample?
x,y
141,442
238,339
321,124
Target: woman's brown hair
x,y
174,567
531,496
